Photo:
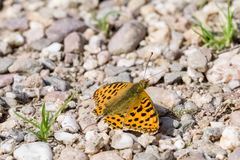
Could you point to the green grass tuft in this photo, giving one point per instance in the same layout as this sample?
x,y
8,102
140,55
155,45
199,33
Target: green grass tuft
x,y
43,128
102,23
218,41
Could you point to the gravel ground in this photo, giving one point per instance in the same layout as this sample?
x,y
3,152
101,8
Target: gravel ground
x,y
50,48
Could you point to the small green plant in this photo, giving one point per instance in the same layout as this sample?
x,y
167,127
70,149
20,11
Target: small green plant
x,y
102,23
218,41
43,128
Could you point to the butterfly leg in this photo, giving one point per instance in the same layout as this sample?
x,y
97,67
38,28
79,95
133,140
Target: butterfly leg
x,y
115,121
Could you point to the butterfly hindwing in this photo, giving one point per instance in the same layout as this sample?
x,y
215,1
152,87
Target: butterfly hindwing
x,y
115,121
108,93
142,115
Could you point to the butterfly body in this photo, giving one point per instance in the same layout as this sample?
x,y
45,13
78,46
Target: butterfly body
x,y
127,106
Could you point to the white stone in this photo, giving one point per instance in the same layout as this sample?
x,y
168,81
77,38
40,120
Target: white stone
x,y
14,39
90,63
121,141
94,45
70,153
179,144
33,151
107,155
65,137
54,47
153,150
94,75
126,154
145,140
69,123
7,146
123,62
103,57
230,138
166,144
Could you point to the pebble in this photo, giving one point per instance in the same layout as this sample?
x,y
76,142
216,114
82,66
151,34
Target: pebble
x,y
60,28
7,146
234,118
65,137
14,39
19,23
145,140
153,150
233,84
72,154
126,154
25,65
35,150
195,155
123,62
175,42
168,98
94,75
74,42
94,45
135,32
90,63
40,44
187,122
213,134
57,83
35,32
5,48
70,124
196,59
235,154
173,77
179,144
52,51
5,62
103,57
6,79
113,70
144,156
230,138
106,155
145,52
168,125
121,141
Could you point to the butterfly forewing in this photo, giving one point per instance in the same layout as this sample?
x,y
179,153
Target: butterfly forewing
x,y
109,93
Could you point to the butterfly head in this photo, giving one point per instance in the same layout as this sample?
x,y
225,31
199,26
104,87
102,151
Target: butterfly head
x,y
144,83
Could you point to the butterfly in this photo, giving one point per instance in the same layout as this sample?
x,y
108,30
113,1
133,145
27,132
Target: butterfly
x,y
127,106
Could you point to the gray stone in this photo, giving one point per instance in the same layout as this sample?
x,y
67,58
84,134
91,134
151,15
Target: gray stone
x,y
40,44
49,64
235,118
121,141
74,42
187,122
176,41
57,83
6,79
168,125
173,77
212,133
60,28
5,63
112,70
106,155
194,155
72,154
196,59
144,156
25,65
35,150
133,32
16,23
176,67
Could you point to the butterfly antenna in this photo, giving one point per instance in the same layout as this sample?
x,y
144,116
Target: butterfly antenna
x,y
147,65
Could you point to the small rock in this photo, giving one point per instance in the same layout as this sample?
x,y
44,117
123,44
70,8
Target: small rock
x,y
5,48
200,100
196,59
40,44
90,63
57,83
176,67
145,140
6,79
35,32
60,28
94,45
176,41
153,150
25,65
72,154
145,52
65,137
123,62
36,151
170,78
103,57
234,118
179,144
167,97
112,70
212,133
194,155
196,76
235,154
14,39
94,75
7,146
121,141
74,43
126,154
5,62
16,23
134,5
70,124
106,155
168,125
234,84
144,156
230,138
135,32
187,122
52,51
